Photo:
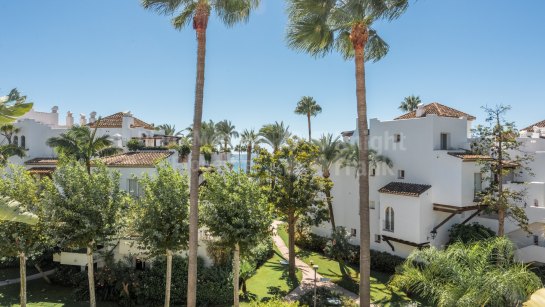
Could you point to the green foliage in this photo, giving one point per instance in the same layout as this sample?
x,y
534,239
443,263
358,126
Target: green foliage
x,y
275,135
10,150
134,145
82,208
469,233
325,297
226,131
207,151
410,103
338,247
275,303
308,106
383,261
161,214
309,241
484,273
12,106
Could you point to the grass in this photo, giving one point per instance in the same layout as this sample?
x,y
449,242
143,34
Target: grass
x,y
271,280
347,276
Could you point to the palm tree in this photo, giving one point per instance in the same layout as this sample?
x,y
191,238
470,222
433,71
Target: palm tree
x,y
320,26
484,273
329,152
226,131
82,143
169,129
410,103
230,12
12,106
10,150
350,157
209,135
250,138
308,106
275,135
8,130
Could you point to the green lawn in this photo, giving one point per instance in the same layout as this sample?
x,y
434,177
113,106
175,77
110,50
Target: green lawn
x,y
271,280
346,276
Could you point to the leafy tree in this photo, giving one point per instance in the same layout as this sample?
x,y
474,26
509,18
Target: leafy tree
x,y
329,149
236,213
410,103
8,130
275,135
501,156
319,27
82,144
294,188
484,273
84,209
229,12
21,229
308,106
250,138
162,216
469,233
10,150
12,106
226,131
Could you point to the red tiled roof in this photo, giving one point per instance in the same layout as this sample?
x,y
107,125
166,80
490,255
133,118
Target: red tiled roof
x,y
541,124
136,159
469,157
42,161
41,170
439,110
116,121
405,189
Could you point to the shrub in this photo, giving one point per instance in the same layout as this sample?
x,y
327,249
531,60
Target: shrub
x,y
339,248
384,262
134,145
262,252
326,297
275,303
469,233
312,242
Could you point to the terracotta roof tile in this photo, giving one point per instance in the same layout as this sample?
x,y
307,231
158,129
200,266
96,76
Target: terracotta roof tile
x,y
136,159
42,161
41,170
439,110
116,121
541,124
405,189
469,157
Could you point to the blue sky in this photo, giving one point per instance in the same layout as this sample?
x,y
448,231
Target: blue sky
x,y
109,56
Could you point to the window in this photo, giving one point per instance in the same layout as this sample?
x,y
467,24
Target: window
x,y
23,141
477,185
134,188
536,240
377,239
16,140
397,138
373,172
140,264
353,232
400,174
389,221
372,204
444,141
536,203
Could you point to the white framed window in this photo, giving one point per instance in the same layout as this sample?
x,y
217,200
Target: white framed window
x,y
377,239
397,138
371,204
401,174
389,220
134,187
353,232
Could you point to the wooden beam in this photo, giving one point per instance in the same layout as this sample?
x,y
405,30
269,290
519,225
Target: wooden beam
x,y
387,238
443,222
389,243
472,216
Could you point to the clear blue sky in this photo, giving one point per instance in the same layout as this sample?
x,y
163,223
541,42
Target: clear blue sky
x,y
112,55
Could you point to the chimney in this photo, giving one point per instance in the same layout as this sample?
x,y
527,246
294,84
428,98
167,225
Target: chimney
x,y
55,115
420,111
82,120
128,120
54,109
92,117
69,120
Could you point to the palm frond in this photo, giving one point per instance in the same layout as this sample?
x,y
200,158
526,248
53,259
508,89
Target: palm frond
x,y
232,12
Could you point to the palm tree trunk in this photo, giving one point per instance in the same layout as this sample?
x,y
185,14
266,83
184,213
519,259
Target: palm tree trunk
x,y
236,274
309,128
249,159
291,245
200,22
330,207
88,166
168,278
501,208
91,274
359,38
22,274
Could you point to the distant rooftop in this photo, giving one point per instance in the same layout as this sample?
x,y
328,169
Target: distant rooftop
x,y
405,189
541,124
436,109
137,159
116,121
42,161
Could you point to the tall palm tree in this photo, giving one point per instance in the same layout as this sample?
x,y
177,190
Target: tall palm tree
x,y
230,12
350,157
209,135
275,135
250,138
169,129
8,130
410,103
226,131
329,152
12,106
320,26
82,143
308,106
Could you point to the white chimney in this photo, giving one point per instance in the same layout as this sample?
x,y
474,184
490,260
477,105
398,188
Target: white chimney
x,y
69,120
420,111
117,140
54,109
82,120
128,120
55,115
92,117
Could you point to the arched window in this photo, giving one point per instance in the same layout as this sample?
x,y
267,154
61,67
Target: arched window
x,y
16,140
23,141
389,220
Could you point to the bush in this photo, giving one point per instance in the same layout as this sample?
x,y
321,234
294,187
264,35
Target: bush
x,y
275,303
385,262
326,297
262,252
134,145
311,242
469,233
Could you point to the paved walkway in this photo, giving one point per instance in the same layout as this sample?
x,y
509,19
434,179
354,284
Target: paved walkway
x,y
28,278
307,284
